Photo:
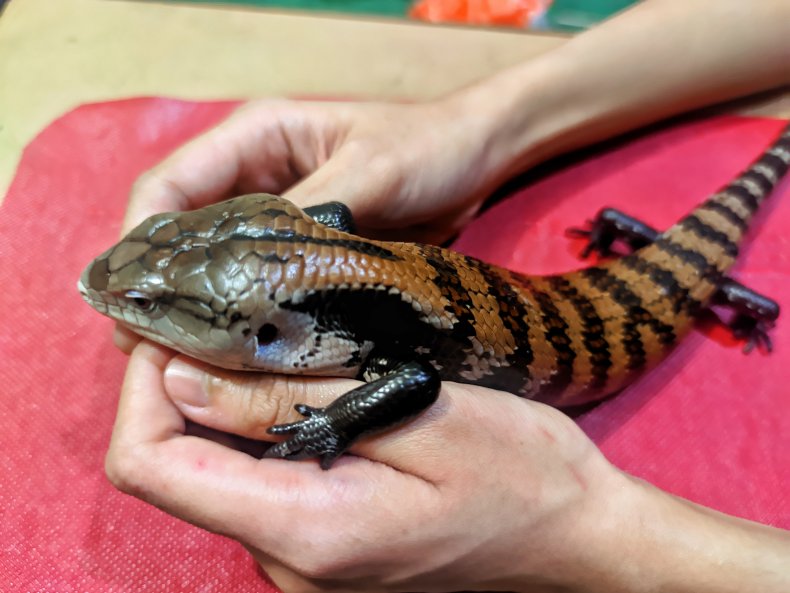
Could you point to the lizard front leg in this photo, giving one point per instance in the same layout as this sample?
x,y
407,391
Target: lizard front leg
x,y
611,225
401,391
333,214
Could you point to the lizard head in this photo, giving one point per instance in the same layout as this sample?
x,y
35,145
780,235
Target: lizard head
x,y
221,284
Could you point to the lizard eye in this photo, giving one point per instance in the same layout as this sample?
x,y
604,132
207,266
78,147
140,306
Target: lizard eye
x,y
141,301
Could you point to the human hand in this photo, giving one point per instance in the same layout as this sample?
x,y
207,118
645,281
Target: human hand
x,y
421,170
411,510
407,171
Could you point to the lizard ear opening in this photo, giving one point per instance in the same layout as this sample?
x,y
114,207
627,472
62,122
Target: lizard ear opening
x,y
266,334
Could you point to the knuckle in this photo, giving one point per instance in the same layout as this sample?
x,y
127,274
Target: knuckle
x,y
259,401
267,404
328,554
124,470
144,182
156,181
324,565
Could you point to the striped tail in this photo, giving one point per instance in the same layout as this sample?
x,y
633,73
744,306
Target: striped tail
x,y
709,236
647,301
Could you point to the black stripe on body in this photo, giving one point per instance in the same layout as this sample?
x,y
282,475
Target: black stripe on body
x,y
556,333
665,283
693,258
514,314
706,232
743,195
776,164
765,184
510,369
636,315
448,280
727,213
593,336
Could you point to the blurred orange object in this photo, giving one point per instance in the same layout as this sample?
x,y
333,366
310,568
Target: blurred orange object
x,y
515,13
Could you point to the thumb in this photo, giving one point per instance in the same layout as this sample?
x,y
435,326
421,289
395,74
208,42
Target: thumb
x,y
244,403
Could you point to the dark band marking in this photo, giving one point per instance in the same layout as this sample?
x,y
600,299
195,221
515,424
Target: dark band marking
x,y
775,163
593,335
706,232
364,316
765,184
665,283
556,333
636,315
749,201
727,213
515,317
693,258
448,279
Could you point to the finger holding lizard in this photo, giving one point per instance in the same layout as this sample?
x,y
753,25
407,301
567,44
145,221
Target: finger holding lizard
x,y
353,528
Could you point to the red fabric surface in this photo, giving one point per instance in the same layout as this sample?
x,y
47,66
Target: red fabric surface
x,y
710,424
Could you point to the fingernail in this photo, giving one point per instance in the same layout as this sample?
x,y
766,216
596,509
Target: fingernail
x,y
186,384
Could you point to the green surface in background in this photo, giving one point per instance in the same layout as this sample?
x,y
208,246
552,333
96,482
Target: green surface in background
x,y
563,15
572,15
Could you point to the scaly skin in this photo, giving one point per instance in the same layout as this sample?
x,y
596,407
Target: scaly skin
x,y
255,283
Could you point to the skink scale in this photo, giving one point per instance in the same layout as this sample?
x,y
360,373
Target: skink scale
x,y
256,283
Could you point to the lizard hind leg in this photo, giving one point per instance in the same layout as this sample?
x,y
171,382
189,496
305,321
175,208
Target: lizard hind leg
x,y
754,314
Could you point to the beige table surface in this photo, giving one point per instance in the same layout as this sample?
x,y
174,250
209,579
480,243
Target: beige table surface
x,y
57,54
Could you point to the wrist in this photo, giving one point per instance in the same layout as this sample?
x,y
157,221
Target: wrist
x,y
527,114
659,542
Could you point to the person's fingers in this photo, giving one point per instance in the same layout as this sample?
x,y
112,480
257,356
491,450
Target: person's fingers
x,y
197,479
248,403
284,577
244,403
125,339
198,173
295,513
263,147
350,176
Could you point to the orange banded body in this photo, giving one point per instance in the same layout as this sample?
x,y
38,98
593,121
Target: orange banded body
x,y
222,274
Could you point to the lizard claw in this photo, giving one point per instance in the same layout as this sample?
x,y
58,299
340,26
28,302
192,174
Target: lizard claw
x,y
754,331
312,437
597,240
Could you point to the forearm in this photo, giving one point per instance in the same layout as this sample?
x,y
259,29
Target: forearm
x,y
671,545
658,59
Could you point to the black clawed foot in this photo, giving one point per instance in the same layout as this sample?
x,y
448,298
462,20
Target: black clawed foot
x,y
306,410
313,437
333,214
754,331
406,390
596,242
609,226
755,314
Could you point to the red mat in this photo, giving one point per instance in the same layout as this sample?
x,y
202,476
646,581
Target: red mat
x,y
710,424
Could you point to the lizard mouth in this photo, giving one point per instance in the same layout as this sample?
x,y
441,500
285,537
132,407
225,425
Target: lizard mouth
x,y
91,297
